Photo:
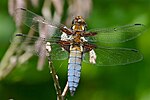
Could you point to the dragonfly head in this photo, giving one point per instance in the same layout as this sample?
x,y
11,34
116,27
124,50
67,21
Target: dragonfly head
x,y
78,24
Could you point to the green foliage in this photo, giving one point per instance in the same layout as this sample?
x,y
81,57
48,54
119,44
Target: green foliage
x,y
128,82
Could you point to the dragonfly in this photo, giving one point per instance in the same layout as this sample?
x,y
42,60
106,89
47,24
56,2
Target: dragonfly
x,y
78,44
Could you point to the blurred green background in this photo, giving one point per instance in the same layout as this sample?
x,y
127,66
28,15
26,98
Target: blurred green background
x,y
129,82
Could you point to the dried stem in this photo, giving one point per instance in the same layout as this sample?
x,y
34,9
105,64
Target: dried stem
x,y
56,81
60,95
7,64
54,75
9,61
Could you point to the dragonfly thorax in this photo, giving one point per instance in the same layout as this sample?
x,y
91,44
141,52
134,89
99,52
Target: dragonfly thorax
x,y
76,37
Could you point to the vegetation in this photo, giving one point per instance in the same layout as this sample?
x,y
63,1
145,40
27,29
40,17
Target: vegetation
x,y
128,82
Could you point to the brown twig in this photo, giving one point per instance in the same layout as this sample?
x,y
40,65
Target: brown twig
x,y
56,81
53,72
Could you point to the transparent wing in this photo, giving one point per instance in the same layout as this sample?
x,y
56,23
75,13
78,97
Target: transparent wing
x,y
35,21
58,53
115,56
37,45
117,34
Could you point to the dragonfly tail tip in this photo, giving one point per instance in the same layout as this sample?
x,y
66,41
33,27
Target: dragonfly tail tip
x,y
72,93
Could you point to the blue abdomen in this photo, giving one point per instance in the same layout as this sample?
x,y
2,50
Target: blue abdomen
x,y
74,69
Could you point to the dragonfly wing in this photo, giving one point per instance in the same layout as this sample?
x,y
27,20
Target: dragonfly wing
x,y
58,53
37,45
117,34
115,56
35,21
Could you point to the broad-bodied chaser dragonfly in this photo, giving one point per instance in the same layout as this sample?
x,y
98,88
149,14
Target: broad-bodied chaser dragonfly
x,y
78,43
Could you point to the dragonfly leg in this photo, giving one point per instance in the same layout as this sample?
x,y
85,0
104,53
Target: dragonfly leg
x,y
92,57
81,48
84,40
